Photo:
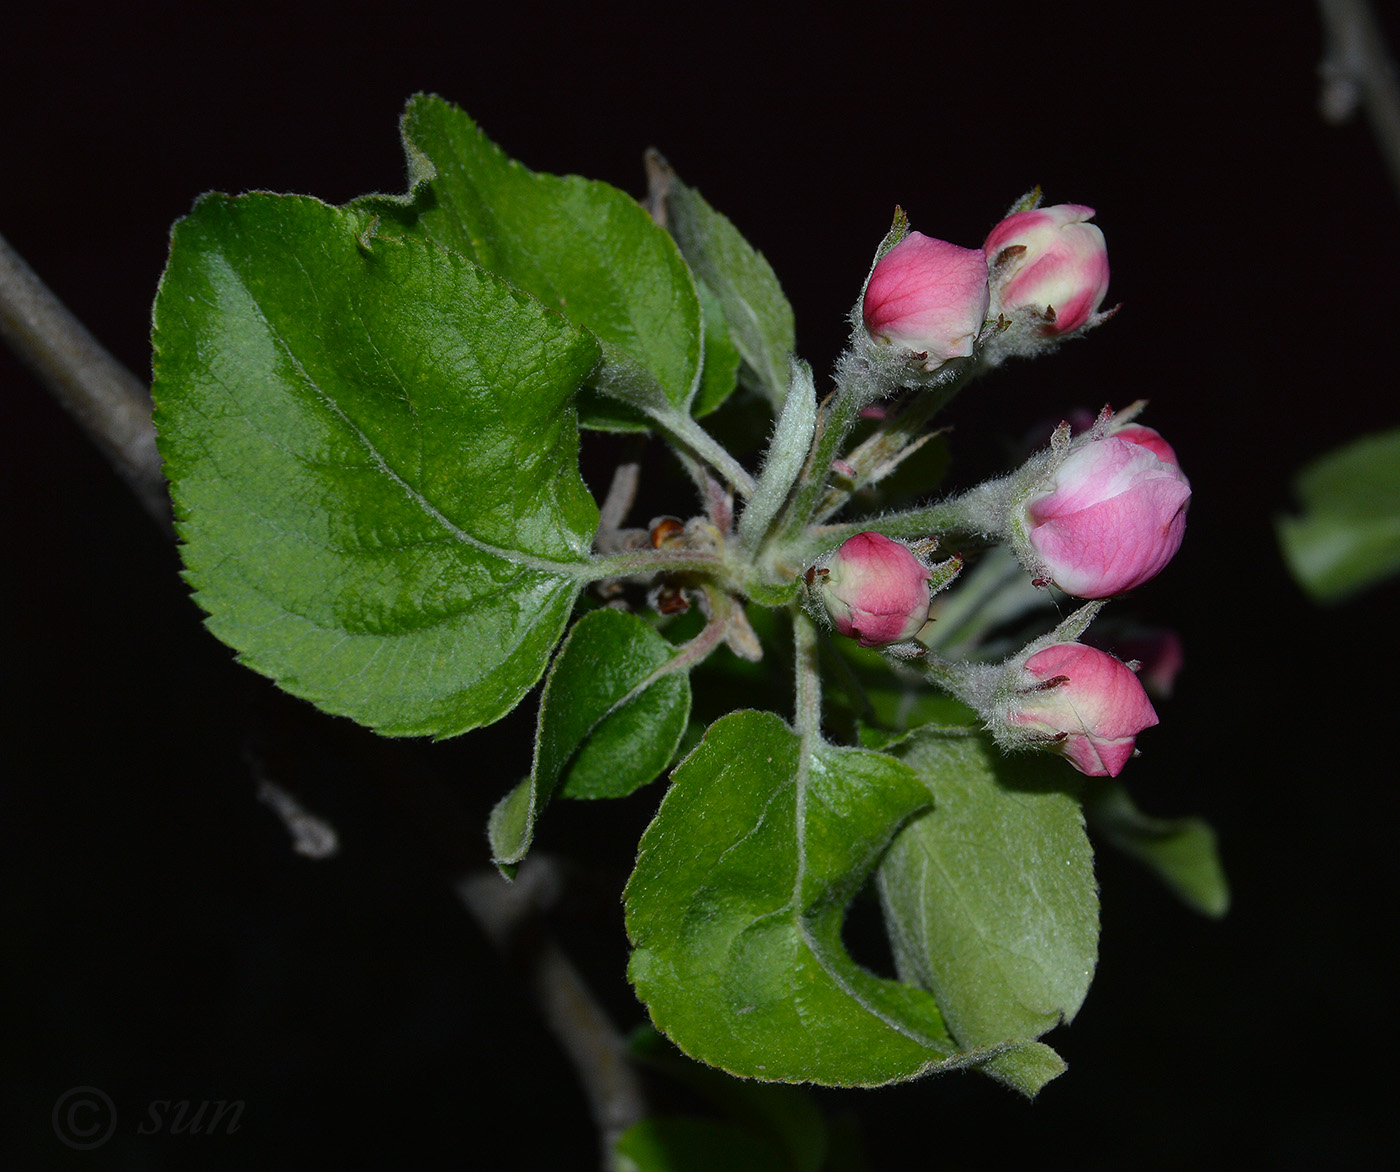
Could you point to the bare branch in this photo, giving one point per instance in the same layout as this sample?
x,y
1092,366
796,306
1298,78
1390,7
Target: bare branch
x,y
509,913
1356,69
110,403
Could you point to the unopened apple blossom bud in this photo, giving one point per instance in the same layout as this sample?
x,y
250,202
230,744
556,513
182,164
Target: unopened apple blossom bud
x,y
1108,517
1081,702
875,590
929,297
1049,263
1149,438
1157,655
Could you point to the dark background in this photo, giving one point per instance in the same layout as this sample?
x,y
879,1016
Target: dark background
x,y
161,940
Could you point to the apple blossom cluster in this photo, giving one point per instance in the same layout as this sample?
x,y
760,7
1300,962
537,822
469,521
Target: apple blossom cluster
x,y
1095,515
930,307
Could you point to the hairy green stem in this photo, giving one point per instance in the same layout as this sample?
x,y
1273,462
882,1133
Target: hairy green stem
x,y
650,561
889,440
808,715
700,443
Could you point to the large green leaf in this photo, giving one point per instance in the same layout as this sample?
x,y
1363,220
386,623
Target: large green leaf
x,y
610,720
1348,535
580,246
373,453
736,904
755,309
990,897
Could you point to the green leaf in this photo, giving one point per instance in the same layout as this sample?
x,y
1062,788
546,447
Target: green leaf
x,y
610,720
759,317
786,1116
787,454
580,246
1182,851
735,910
990,897
720,375
682,1144
1348,535
374,457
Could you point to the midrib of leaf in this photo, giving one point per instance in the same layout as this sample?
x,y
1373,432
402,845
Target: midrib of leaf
x,y
805,759
666,669
575,570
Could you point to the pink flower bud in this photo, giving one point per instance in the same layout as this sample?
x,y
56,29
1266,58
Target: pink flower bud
x,y
1050,262
1111,518
1150,439
875,590
928,295
1158,654
1089,702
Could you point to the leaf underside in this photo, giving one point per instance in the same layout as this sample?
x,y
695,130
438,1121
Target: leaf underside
x,y
736,905
990,897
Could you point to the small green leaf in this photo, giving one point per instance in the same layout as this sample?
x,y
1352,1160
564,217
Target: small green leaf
x,y
1181,851
990,897
610,720
682,1144
374,457
787,454
735,910
759,317
580,246
720,375
786,1116
1348,535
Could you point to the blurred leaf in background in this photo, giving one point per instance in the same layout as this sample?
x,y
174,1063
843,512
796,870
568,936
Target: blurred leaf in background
x,y
1348,534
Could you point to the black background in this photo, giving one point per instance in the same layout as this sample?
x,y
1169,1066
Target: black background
x,y
161,941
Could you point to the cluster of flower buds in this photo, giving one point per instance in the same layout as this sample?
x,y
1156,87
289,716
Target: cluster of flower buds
x,y
1094,515
1040,276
